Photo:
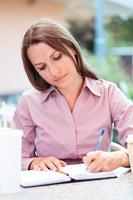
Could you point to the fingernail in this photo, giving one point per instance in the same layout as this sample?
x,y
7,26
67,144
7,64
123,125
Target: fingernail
x,y
54,169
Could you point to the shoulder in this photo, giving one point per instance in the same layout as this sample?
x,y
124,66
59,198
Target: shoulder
x,y
30,95
107,86
103,84
114,93
31,92
110,88
100,86
29,100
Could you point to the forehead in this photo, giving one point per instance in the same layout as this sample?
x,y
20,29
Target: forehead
x,y
39,50
41,46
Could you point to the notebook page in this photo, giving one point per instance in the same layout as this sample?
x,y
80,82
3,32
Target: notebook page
x,y
78,172
76,168
121,170
34,178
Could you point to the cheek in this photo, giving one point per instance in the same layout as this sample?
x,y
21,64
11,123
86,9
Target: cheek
x,y
69,65
46,77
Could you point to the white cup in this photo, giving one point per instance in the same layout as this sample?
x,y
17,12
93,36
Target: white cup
x,y
10,160
129,141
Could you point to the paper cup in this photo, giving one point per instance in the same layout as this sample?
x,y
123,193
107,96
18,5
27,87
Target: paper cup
x,y
10,160
129,141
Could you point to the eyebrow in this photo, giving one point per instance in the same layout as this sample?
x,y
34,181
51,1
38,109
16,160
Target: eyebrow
x,y
49,56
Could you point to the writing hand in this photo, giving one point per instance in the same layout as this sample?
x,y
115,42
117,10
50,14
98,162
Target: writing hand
x,y
97,161
45,163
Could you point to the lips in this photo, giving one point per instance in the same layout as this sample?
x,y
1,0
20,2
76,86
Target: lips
x,y
60,78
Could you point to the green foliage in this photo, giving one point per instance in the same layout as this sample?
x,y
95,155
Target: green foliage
x,y
111,70
120,30
83,31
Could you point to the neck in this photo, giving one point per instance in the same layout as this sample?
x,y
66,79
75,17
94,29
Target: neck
x,y
72,92
73,89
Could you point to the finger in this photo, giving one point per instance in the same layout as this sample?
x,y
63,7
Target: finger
x,y
63,163
43,166
51,165
36,167
84,159
91,156
88,165
57,163
93,161
88,159
97,169
95,166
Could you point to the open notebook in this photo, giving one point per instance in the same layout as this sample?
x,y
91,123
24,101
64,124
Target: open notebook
x,y
74,173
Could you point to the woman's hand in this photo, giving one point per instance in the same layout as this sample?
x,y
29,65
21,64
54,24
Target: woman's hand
x,y
45,163
97,161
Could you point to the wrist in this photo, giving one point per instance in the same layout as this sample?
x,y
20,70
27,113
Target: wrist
x,y
124,159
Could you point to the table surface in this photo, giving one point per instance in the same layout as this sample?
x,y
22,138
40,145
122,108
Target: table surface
x,y
106,189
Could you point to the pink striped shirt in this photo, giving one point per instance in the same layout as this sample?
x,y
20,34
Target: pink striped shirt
x,y
51,129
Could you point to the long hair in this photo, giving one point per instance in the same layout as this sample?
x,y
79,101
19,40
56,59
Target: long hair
x,y
57,37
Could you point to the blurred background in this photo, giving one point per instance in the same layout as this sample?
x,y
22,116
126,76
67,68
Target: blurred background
x,y
104,29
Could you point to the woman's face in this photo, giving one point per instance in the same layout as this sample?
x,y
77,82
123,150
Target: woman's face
x,y
54,67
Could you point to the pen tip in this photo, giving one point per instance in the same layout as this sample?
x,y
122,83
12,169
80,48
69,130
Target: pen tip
x,y
103,131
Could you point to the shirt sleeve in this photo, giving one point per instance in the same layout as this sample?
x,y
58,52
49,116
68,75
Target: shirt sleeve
x,y
22,120
121,109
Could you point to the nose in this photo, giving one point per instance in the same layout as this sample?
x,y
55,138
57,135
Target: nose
x,y
54,71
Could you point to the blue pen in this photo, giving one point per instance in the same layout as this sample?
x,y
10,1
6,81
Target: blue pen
x,y
98,144
99,140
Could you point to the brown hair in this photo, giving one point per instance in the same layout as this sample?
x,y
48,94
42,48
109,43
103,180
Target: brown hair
x,y
57,37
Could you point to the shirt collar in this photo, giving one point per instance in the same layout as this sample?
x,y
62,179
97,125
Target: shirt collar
x,y
93,86
45,94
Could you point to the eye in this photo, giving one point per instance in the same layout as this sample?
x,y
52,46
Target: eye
x,y
57,55
42,68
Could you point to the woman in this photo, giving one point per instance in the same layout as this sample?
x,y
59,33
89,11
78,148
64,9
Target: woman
x,y
63,115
